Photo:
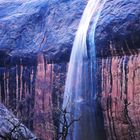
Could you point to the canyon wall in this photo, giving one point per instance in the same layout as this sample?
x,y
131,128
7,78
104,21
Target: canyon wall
x,y
35,46
33,92
119,96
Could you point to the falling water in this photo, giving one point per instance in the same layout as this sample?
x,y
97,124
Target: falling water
x,y
80,91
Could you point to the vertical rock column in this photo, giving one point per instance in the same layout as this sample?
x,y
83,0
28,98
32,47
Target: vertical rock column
x,y
17,90
43,123
33,91
50,81
121,96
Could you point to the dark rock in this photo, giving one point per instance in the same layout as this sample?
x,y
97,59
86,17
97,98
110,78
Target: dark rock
x,y
12,128
30,27
118,28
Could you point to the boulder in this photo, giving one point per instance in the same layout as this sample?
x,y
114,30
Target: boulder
x,y
12,128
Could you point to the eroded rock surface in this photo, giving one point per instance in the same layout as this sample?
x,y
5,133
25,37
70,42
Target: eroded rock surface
x,y
118,28
120,96
32,92
29,27
12,128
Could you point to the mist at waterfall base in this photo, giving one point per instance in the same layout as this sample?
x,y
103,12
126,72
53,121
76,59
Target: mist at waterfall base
x,y
80,89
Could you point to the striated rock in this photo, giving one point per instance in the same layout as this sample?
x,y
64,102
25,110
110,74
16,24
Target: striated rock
x,y
32,92
120,96
12,128
32,83
50,81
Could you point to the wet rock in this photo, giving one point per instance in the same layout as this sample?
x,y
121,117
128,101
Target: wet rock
x,y
32,92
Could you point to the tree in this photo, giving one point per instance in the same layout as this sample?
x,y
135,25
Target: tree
x,y
62,116
65,124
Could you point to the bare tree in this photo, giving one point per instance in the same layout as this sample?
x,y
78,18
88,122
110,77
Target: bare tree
x,y
65,124
17,130
65,120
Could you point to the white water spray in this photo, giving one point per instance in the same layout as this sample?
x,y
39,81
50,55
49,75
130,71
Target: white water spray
x,y
80,86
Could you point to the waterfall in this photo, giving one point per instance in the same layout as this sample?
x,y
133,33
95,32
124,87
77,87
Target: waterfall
x,y
80,88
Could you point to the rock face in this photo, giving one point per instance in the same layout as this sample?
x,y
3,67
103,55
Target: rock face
x,y
118,30
32,92
36,41
49,89
120,96
12,128
28,27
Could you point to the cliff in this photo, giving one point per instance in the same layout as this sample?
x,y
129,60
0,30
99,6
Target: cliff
x,y
35,46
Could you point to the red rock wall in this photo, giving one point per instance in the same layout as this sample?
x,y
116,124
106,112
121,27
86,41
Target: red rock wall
x,y
32,92
49,89
43,101
120,84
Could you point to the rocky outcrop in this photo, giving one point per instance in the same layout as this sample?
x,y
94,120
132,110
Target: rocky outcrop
x,y
118,28
30,27
12,128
